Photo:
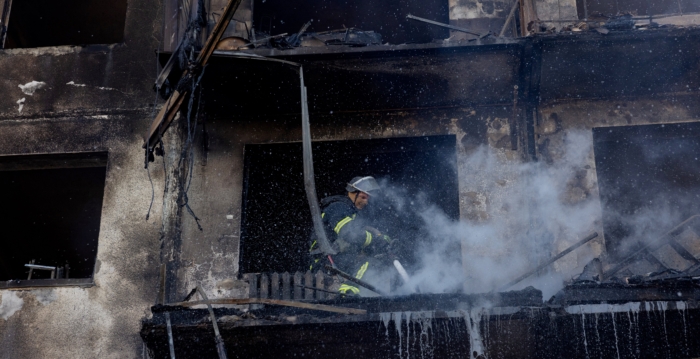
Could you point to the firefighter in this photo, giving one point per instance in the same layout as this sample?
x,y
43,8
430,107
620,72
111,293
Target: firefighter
x,y
356,242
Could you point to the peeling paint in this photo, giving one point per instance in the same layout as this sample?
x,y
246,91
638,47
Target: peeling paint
x,y
11,303
20,102
30,87
74,84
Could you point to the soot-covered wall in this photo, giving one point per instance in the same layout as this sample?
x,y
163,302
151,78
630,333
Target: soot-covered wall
x,y
276,219
75,99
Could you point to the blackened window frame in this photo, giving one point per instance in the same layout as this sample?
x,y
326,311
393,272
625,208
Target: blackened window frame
x,y
66,161
250,250
115,34
620,151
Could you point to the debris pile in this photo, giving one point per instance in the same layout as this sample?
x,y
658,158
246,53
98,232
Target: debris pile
x,y
350,37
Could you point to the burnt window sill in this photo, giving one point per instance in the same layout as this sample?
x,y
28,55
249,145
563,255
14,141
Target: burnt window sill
x,y
38,283
62,49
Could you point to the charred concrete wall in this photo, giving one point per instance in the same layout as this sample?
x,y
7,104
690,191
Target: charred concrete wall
x,y
573,97
485,189
211,256
88,99
98,98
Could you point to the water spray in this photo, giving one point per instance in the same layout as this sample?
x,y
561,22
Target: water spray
x,y
404,274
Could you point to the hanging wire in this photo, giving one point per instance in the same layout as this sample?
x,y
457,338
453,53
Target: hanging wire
x,y
191,154
189,41
187,153
153,112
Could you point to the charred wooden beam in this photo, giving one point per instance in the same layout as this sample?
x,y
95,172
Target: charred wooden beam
x,y
277,302
451,27
618,293
172,106
530,76
650,247
170,231
585,240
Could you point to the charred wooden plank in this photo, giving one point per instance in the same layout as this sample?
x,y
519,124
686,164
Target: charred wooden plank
x,y
275,286
309,282
285,303
297,285
252,279
286,286
320,285
264,286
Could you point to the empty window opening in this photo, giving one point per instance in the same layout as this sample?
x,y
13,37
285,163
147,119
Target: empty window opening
x,y
649,180
276,219
50,216
40,23
388,18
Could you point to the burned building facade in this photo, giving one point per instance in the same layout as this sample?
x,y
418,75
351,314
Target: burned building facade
x,y
500,141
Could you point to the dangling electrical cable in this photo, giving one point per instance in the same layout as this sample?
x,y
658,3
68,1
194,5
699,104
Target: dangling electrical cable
x,y
194,27
153,112
187,150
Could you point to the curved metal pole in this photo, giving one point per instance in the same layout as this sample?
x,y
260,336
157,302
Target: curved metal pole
x,y
309,183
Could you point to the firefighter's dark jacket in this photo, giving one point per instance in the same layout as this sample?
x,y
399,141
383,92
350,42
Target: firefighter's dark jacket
x,y
346,232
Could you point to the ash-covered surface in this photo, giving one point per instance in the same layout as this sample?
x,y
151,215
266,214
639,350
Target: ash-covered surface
x,y
528,297
651,287
503,325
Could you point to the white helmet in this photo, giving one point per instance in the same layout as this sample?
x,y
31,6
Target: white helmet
x,y
363,184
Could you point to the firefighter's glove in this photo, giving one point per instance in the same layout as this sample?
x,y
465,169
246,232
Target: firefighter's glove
x,y
375,232
386,239
392,247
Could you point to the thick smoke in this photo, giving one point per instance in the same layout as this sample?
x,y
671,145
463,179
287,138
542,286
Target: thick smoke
x,y
517,214
520,214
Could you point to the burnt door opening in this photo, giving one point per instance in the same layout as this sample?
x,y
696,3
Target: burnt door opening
x,y
51,213
276,220
387,18
649,180
40,23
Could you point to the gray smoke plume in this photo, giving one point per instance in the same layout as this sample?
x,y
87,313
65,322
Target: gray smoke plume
x,y
518,214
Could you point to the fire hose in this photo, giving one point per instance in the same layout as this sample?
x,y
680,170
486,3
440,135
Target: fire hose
x,y
399,268
354,280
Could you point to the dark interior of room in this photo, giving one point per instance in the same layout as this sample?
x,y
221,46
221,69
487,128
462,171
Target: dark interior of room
x,y
40,23
51,214
649,180
276,219
385,17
